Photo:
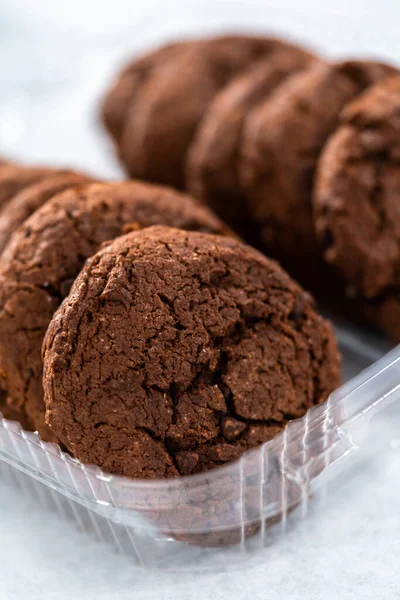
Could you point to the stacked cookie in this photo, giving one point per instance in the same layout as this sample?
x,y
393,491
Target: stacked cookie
x,y
159,101
136,329
170,347
255,139
356,202
44,255
22,191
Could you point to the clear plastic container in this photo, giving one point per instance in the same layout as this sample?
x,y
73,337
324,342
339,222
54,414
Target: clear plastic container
x,y
48,111
219,518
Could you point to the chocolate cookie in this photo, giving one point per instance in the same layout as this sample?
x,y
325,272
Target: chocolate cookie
x,y
384,313
357,192
14,178
22,190
10,413
154,108
117,101
47,252
177,351
282,142
32,197
25,311
213,160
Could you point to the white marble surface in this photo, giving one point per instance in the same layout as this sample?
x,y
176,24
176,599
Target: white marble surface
x,y
55,59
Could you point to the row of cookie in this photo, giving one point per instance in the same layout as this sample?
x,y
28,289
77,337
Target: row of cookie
x,y
45,238
256,128
174,351
357,203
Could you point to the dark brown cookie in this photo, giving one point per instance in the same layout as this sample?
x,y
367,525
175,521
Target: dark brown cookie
x,y
155,107
32,197
14,178
10,413
117,102
25,311
357,192
282,142
177,351
212,166
21,192
384,313
47,252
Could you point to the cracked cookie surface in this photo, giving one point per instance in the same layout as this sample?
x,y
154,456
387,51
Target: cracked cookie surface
x,y
176,351
22,191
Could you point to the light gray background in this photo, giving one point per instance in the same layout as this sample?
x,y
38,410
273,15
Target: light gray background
x,y
56,57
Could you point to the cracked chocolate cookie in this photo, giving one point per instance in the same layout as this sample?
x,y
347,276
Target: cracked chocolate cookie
x,y
357,192
116,103
47,252
282,142
213,160
154,107
14,178
22,190
177,351
24,203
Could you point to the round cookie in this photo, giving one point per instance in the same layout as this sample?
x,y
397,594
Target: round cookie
x,y
117,101
357,192
14,178
32,197
25,311
163,105
176,351
47,252
20,194
281,145
213,159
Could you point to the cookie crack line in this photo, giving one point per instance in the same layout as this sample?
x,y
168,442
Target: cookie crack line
x,y
215,375
163,443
